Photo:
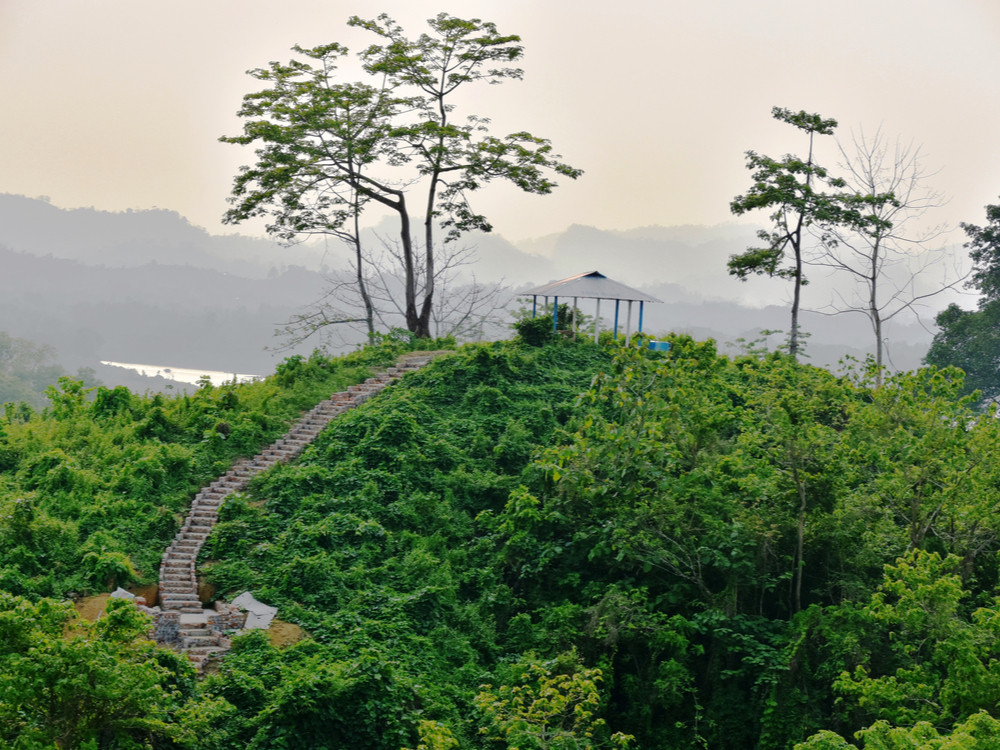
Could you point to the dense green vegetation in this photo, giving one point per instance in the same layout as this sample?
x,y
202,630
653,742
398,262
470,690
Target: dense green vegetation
x,y
968,338
27,369
93,487
557,546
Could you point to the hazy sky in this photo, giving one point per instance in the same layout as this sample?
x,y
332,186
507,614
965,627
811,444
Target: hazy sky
x,y
119,103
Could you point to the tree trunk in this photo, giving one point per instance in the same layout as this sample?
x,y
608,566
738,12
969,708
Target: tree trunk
x,y
800,539
362,287
409,275
793,338
873,312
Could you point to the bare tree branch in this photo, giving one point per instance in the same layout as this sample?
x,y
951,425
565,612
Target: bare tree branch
x,y
887,258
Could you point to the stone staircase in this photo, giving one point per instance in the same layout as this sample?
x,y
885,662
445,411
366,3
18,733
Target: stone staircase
x,y
182,620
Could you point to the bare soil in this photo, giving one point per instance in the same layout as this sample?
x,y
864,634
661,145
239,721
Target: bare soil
x,y
89,608
284,633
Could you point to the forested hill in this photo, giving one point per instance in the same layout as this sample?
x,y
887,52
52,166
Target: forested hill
x,y
555,546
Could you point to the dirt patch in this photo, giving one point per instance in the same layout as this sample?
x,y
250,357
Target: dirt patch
x,y
89,608
206,591
149,593
284,633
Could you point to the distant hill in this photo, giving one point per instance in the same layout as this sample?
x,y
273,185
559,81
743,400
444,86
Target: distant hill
x,y
149,286
181,315
135,238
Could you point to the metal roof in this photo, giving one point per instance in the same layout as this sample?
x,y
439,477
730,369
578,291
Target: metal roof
x,y
593,285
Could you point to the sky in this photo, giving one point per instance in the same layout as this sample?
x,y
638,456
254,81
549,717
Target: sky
x,y
119,104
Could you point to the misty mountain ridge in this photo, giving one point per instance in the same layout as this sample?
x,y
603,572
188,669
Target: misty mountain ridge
x,y
134,238
149,286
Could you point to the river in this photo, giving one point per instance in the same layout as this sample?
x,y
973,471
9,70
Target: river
x,y
183,374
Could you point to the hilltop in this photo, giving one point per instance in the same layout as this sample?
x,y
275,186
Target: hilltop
x,y
696,551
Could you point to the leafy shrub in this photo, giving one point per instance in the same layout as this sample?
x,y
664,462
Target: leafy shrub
x,y
536,331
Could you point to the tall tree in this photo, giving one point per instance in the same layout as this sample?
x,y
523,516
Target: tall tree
x,y
316,140
969,338
791,188
887,255
327,149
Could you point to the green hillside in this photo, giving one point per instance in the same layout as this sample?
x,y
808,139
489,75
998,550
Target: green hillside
x,y
565,546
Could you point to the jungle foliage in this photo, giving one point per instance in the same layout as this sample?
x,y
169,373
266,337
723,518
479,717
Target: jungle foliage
x,y
94,486
27,369
562,546
968,338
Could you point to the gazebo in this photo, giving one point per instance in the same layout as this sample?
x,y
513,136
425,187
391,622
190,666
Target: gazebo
x,y
594,285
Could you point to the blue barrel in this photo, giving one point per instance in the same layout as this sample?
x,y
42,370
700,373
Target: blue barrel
x,y
659,346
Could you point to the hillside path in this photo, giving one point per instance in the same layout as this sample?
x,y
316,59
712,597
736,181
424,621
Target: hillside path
x,y
182,620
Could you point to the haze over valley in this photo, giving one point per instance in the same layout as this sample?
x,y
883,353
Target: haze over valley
x,y
150,287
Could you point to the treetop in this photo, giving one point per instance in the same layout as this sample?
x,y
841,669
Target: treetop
x,y
807,121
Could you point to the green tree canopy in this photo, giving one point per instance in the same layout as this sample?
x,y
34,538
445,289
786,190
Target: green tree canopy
x,y
792,189
970,339
327,148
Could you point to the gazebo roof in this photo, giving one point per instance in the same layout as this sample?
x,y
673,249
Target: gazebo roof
x,y
593,285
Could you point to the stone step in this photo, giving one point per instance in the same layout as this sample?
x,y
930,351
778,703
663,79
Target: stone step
x,y
175,565
274,453
178,578
168,592
198,641
183,599
203,650
203,505
179,584
181,609
223,488
201,501
193,630
169,589
187,571
184,555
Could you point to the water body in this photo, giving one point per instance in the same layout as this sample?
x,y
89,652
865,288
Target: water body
x,y
184,374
